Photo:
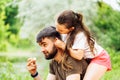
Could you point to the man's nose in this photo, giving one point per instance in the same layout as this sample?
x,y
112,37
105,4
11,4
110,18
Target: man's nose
x,y
42,49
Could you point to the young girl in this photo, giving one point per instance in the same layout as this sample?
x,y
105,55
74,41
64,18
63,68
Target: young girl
x,y
79,43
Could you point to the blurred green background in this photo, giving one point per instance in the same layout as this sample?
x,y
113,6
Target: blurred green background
x,y
20,21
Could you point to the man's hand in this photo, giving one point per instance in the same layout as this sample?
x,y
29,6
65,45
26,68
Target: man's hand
x,y
31,65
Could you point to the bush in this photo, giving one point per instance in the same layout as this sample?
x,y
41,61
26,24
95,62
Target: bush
x,y
107,26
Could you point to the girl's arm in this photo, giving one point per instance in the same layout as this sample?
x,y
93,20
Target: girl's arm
x,y
76,53
77,50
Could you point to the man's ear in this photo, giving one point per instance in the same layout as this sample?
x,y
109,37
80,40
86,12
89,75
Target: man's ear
x,y
55,39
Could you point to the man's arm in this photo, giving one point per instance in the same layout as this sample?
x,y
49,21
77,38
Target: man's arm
x,y
73,77
32,68
37,78
49,77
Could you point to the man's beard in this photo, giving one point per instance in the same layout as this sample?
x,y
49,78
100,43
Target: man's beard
x,y
52,53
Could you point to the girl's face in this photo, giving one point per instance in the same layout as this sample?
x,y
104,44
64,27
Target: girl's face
x,y
62,29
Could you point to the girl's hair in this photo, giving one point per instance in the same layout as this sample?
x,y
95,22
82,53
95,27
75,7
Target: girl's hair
x,y
72,19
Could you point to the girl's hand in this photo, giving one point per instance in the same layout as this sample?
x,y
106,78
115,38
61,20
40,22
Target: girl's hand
x,y
60,44
70,50
31,65
76,53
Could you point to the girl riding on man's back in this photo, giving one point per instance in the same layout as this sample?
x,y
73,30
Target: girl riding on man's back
x,y
79,43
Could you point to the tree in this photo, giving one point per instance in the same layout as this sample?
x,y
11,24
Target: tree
x,y
36,14
8,29
107,23
3,28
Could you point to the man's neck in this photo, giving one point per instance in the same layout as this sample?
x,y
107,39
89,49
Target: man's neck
x,y
59,56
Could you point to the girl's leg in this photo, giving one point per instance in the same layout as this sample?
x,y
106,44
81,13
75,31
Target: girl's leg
x,y
94,72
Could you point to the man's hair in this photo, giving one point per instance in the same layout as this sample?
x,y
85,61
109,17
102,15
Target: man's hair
x,y
49,32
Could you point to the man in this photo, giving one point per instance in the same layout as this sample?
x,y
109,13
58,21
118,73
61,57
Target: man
x,y
62,66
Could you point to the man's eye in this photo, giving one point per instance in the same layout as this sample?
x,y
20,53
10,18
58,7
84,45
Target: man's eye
x,y
44,44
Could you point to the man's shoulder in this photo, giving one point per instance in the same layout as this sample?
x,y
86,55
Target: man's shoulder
x,y
76,62
52,62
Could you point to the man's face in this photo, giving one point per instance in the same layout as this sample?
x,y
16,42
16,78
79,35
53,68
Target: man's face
x,y
48,48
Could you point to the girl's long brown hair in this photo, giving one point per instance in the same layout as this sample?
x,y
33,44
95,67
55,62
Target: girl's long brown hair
x,y
72,19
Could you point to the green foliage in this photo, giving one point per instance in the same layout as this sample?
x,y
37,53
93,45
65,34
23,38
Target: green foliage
x,y
24,44
11,13
13,39
8,72
11,10
3,28
12,59
9,26
107,22
3,59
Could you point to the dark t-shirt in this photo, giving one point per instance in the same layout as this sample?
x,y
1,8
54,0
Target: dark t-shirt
x,y
78,67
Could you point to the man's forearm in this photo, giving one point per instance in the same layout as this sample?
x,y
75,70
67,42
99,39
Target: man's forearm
x,y
73,77
37,78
